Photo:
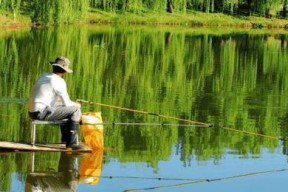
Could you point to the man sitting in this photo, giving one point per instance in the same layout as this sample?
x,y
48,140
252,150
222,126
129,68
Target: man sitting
x,y
49,101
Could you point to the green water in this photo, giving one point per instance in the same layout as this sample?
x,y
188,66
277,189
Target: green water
x,y
237,80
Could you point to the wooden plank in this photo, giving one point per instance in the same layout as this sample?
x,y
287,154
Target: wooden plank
x,y
5,145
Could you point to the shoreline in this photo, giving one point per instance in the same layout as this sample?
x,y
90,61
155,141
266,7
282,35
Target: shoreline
x,y
190,20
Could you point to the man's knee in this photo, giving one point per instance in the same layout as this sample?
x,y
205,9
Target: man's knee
x,y
77,114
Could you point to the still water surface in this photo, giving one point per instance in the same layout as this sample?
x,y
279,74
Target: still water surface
x,y
236,81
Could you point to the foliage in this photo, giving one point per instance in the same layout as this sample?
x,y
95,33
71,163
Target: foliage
x,y
58,11
67,11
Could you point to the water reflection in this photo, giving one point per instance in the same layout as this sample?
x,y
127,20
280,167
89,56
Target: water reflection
x,y
91,167
69,173
284,133
231,79
65,179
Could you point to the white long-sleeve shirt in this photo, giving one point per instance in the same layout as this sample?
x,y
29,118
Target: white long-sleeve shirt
x,y
48,90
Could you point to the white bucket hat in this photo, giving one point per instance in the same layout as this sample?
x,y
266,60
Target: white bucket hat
x,y
62,62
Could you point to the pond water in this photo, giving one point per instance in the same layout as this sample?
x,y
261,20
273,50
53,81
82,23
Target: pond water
x,y
236,81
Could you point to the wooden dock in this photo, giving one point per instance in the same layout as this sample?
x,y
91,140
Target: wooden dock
x,y
12,146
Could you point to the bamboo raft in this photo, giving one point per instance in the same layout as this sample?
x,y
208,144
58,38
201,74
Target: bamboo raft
x,y
12,146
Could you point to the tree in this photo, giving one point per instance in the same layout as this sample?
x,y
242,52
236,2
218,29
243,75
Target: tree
x,y
169,6
284,11
249,6
11,6
58,11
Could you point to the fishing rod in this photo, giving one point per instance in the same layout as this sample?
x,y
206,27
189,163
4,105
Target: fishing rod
x,y
5,116
144,112
179,119
13,100
198,181
252,133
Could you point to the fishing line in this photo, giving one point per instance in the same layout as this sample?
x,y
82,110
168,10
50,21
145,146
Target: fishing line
x,y
143,112
6,116
207,180
146,124
179,119
149,178
13,100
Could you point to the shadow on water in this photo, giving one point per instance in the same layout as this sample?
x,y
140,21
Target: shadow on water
x,y
73,169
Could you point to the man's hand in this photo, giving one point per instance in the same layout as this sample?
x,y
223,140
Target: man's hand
x,y
77,103
81,101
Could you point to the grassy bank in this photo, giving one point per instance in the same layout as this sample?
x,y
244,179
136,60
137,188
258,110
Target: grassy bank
x,y
9,22
191,19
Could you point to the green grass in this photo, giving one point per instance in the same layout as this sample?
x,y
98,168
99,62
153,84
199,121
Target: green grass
x,y
8,21
190,19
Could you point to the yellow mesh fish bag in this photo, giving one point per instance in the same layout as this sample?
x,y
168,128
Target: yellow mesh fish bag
x,y
91,167
92,130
